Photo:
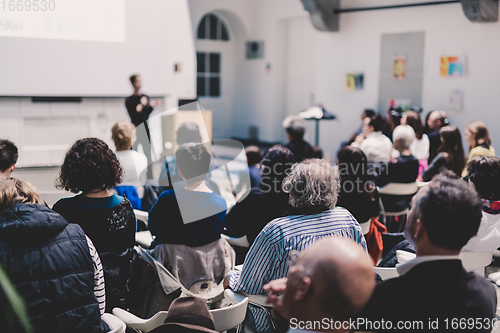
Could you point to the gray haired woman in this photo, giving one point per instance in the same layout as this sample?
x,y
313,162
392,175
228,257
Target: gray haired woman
x,y
313,187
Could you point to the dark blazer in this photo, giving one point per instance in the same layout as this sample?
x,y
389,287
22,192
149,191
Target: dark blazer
x,y
437,290
434,143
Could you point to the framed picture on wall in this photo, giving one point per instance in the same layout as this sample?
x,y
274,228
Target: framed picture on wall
x,y
354,81
399,68
453,66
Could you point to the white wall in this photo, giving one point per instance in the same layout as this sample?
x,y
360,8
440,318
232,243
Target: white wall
x,y
262,99
44,131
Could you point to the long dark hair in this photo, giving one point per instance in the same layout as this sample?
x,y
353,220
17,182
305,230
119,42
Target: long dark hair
x,y
452,145
353,167
413,119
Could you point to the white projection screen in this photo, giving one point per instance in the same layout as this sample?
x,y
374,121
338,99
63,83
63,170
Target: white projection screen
x,y
82,47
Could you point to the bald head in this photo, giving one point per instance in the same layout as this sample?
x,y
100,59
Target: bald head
x,y
333,278
436,119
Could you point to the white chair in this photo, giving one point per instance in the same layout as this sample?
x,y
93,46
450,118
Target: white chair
x,y
401,189
141,215
365,226
476,261
224,318
472,261
386,273
144,238
116,325
242,241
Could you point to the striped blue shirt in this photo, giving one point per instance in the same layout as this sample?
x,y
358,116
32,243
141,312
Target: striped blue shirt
x,y
99,288
267,259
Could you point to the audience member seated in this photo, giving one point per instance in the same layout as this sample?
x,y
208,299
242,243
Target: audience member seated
x,y
295,127
8,158
313,189
403,170
421,145
133,163
332,278
359,195
264,203
435,121
484,176
393,120
444,216
254,157
53,265
376,146
450,154
186,315
186,133
478,138
367,113
193,215
92,168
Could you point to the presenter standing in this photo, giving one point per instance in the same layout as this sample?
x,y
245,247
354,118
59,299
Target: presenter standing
x,y
139,108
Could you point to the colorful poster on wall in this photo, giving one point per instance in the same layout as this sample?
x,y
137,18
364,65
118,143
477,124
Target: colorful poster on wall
x,y
354,81
399,68
453,66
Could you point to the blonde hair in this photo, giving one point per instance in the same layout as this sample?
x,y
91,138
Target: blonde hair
x,y
122,133
14,191
478,128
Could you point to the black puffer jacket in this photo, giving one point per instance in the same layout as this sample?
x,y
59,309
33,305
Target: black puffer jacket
x,y
49,263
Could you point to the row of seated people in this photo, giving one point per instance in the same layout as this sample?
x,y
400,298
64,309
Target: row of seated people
x,y
437,148
84,158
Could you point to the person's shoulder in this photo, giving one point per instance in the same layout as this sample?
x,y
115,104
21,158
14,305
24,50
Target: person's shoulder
x,y
217,198
340,212
167,194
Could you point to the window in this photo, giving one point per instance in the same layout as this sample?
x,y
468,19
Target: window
x,y
212,28
208,80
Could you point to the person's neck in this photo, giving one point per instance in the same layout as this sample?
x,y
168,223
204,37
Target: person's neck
x,y
137,92
199,186
431,250
124,149
97,194
405,152
5,174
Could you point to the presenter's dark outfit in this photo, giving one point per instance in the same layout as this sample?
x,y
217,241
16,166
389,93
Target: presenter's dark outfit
x,y
142,133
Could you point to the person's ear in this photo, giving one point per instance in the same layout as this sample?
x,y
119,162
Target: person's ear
x,y
12,168
420,230
303,289
181,174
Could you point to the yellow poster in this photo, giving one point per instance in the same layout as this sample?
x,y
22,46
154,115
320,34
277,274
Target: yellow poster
x,y
399,68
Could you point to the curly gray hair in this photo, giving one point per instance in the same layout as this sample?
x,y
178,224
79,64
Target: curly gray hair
x,y
313,183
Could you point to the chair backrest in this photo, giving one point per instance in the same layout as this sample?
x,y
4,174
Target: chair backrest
x,y
233,315
116,325
387,273
476,261
399,189
224,318
365,226
144,238
141,216
189,265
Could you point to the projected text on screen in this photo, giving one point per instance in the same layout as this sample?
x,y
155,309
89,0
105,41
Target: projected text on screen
x,y
86,20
